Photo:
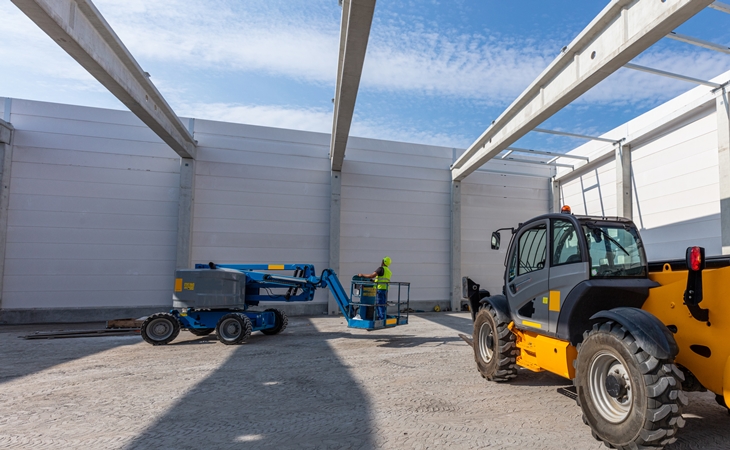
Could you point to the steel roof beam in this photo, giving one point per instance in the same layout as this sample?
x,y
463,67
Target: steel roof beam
x,y
721,7
542,163
541,152
676,76
575,135
699,42
357,17
623,30
80,29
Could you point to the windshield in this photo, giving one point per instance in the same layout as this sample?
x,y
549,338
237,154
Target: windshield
x,y
615,250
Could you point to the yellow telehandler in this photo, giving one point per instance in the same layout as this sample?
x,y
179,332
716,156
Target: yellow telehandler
x,y
580,300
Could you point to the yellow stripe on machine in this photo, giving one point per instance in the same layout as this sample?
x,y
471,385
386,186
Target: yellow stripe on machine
x,y
391,321
554,301
276,266
531,324
178,284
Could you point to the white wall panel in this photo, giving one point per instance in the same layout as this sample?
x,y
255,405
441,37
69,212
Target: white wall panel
x,y
261,196
92,218
676,189
491,201
93,207
396,202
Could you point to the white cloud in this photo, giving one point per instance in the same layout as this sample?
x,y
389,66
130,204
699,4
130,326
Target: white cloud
x,y
299,40
314,119
304,45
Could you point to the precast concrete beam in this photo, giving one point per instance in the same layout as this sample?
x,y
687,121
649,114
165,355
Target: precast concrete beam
x,y
723,154
80,29
623,30
357,17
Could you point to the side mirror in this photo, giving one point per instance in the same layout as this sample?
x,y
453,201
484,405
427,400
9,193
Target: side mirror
x,y
496,238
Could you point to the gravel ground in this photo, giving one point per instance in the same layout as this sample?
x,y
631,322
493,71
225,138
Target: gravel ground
x,y
316,385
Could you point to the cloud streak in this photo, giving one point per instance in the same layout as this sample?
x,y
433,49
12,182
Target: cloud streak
x,y
314,119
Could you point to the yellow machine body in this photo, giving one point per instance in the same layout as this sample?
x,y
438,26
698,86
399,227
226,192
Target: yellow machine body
x,y
704,347
538,353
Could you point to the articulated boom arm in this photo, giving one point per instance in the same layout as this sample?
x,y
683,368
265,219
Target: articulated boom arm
x,y
304,278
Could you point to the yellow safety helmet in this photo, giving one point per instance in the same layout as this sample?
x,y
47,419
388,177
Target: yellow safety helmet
x,y
386,261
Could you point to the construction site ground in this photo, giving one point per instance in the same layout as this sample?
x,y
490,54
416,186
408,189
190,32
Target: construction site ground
x,y
316,385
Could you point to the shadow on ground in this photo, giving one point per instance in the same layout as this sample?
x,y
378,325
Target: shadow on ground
x,y
460,322
26,357
305,397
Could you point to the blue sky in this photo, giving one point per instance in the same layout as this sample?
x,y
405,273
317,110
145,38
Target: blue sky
x,y
436,72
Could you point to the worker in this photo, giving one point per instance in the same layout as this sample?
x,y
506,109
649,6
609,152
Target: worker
x,y
381,276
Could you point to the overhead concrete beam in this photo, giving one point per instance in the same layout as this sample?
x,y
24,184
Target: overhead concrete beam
x,y
80,29
357,17
623,30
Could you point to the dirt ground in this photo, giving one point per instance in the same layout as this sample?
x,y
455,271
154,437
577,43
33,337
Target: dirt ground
x,y
316,385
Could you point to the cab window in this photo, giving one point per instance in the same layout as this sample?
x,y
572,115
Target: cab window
x,y
530,253
565,245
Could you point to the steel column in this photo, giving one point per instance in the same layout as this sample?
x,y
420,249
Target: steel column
x,y
335,227
186,203
6,158
723,156
624,199
455,246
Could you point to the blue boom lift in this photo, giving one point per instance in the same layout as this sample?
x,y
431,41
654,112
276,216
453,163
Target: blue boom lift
x,y
217,297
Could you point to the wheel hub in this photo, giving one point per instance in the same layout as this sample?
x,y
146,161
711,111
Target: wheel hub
x,y
616,385
486,342
610,387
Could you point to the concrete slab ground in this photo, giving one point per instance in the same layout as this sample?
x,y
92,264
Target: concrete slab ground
x,y
317,385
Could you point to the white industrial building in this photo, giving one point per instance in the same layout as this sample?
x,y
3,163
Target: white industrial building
x,y
98,207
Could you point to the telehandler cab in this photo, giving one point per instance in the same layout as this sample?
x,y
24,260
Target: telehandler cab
x,y
580,300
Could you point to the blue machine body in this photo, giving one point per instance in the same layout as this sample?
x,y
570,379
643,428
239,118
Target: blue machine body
x,y
299,287
208,319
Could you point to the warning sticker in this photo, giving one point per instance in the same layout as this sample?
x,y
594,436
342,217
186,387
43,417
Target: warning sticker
x,y
189,286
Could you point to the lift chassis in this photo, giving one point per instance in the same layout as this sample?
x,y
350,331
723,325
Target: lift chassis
x,y
580,300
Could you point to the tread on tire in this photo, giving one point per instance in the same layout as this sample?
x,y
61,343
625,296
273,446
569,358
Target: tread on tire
x,y
496,362
648,410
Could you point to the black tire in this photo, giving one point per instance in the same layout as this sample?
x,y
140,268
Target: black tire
x,y
495,351
233,328
629,399
281,322
201,331
160,329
